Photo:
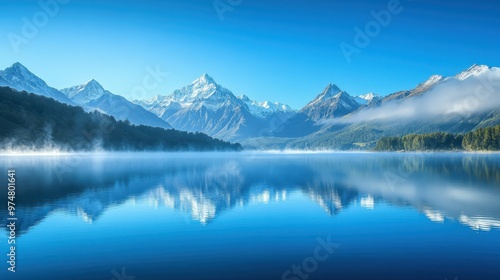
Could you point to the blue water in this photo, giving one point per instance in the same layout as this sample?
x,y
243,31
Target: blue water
x,y
255,216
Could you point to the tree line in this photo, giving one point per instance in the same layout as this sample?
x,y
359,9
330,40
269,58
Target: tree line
x,y
482,139
32,121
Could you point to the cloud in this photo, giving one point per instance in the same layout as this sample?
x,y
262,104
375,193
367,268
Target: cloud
x,y
475,94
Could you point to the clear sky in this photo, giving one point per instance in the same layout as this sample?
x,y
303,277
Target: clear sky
x,y
286,50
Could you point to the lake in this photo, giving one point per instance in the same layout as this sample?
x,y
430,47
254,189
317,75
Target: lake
x,y
254,216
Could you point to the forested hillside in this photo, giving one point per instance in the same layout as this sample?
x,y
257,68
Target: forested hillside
x,y
32,121
482,139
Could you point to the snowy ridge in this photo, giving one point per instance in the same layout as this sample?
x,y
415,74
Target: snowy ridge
x,y
85,93
205,106
330,91
92,96
202,106
208,107
265,108
434,79
367,98
203,89
331,103
20,78
474,70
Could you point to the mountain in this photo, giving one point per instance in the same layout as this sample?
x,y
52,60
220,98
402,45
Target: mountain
x,y
474,71
418,90
92,96
32,122
4,83
333,120
210,108
85,93
274,113
368,98
264,109
20,78
433,81
459,104
330,104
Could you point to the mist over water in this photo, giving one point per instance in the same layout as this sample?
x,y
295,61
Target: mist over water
x,y
254,215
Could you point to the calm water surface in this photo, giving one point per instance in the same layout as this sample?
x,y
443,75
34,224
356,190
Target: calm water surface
x,y
255,216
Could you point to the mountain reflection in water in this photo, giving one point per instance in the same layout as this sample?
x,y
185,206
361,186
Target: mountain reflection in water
x,y
462,187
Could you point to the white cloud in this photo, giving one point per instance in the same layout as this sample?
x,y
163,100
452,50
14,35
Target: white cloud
x,y
477,93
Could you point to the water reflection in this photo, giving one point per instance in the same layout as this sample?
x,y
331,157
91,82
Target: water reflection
x,y
462,187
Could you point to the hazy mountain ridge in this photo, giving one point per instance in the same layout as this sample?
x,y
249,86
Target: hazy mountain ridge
x,y
457,104
92,96
331,103
30,122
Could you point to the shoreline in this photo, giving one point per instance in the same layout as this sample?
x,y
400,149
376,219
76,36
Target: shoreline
x,y
58,153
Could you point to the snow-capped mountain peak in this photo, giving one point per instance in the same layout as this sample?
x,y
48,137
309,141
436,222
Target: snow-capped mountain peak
x,y
474,70
93,83
17,74
202,89
89,91
367,98
20,78
433,80
209,107
244,98
265,108
429,83
329,104
203,80
331,90
92,96
20,69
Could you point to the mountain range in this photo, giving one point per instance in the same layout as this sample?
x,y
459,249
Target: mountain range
x,y
91,96
208,107
35,123
334,119
331,103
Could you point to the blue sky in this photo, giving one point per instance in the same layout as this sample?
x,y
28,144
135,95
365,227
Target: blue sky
x,y
284,51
